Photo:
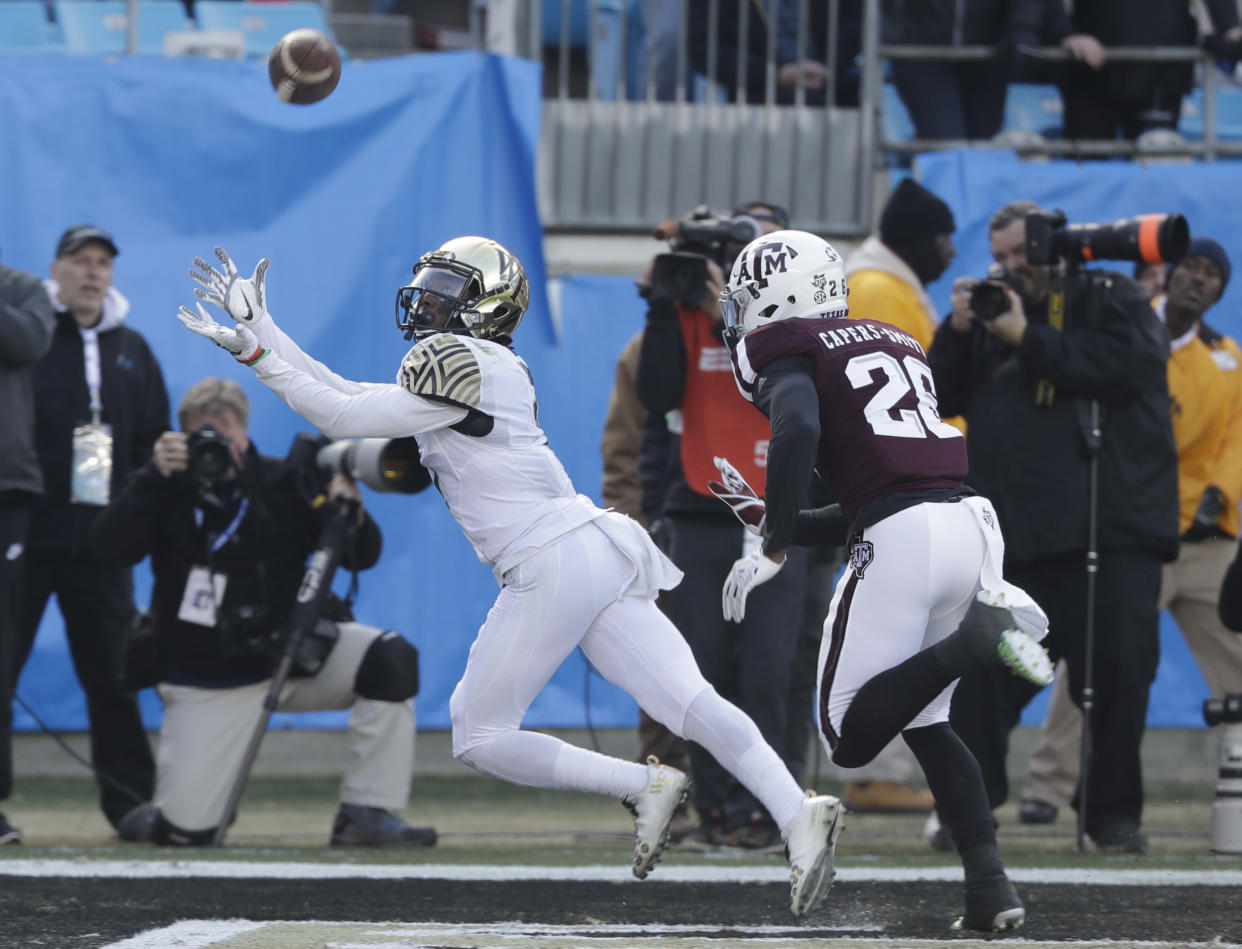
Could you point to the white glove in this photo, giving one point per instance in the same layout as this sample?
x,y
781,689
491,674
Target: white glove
x,y
243,299
238,340
740,496
746,574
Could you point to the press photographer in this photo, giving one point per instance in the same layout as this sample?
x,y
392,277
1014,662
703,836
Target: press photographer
x,y
685,375
1066,400
229,532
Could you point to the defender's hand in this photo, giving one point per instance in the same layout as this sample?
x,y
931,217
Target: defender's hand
x,y
747,506
238,340
746,574
243,299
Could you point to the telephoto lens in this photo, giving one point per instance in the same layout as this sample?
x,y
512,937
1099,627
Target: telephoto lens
x,y
209,451
1227,807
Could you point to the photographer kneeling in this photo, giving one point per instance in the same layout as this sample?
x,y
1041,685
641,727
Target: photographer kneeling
x,y
229,532
1064,389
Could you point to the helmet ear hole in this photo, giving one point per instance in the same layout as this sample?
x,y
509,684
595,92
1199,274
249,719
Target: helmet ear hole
x,y
768,310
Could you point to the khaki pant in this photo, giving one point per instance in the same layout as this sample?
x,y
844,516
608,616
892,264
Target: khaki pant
x,y
1190,589
205,733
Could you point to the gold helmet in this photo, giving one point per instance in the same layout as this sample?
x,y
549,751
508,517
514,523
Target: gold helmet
x,y
467,285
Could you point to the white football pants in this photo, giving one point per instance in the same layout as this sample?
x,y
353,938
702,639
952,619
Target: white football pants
x,y
571,594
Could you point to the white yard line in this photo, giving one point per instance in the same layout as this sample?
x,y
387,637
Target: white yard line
x,y
189,934
153,869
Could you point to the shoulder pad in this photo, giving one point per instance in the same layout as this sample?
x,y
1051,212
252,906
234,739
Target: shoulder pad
x,y
443,368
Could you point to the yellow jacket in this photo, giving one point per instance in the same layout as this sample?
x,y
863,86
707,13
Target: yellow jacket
x,y
883,287
1205,391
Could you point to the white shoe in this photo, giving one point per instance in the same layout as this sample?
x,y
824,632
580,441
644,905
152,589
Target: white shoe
x,y
654,808
811,843
994,636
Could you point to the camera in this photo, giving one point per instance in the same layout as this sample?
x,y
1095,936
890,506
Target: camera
x,y
1226,709
1149,238
382,464
210,453
988,299
700,236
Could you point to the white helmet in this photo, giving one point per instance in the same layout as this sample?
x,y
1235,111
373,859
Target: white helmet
x,y
782,275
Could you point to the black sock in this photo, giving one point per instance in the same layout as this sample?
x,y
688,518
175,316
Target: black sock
x,y
956,782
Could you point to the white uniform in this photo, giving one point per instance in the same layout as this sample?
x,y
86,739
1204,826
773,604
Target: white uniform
x,y
571,574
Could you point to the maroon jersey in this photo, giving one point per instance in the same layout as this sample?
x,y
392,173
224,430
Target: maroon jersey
x,y
880,428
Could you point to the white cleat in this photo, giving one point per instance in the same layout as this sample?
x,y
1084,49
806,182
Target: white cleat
x,y
994,636
653,809
811,844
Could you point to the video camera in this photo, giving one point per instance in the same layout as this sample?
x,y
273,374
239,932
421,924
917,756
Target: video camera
x,y
382,464
700,236
1050,239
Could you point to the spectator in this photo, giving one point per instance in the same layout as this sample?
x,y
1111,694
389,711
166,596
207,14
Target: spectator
x,y
26,324
798,56
1103,98
1205,383
100,404
1025,384
1151,277
684,370
623,490
888,276
249,530
572,575
963,99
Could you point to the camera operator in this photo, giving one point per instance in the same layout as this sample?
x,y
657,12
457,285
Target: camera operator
x,y
229,531
1027,381
685,374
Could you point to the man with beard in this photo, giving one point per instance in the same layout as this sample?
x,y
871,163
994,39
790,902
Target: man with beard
x,y
1027,383
1205,386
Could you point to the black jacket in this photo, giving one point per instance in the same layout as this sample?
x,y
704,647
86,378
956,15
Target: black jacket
x,y
960,22
1032,461
135,404
263,560
26,324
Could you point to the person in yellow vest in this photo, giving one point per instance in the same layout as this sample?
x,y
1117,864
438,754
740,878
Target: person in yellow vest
x,y
1205,385
685,375
888,276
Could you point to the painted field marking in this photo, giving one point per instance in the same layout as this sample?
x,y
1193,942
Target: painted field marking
x,y
282,934
186,868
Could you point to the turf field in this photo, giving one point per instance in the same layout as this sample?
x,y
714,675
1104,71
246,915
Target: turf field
x,y
522,868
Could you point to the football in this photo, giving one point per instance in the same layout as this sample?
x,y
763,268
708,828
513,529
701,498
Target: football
x,y
304,66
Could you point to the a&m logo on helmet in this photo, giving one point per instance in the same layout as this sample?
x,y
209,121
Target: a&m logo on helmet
x,y
765,260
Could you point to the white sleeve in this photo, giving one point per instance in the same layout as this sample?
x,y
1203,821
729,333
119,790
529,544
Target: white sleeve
x,y
278,341
374,410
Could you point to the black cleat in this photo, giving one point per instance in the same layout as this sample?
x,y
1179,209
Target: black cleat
x,y
992,906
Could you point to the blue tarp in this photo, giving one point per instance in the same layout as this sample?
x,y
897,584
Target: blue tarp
x,y
175,156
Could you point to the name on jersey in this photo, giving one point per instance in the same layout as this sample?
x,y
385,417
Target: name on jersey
x,y
852,333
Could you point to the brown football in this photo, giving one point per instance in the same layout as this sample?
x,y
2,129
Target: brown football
x,y
304,66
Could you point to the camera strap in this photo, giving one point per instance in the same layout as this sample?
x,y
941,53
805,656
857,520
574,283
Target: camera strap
x,y
1045,391
224,536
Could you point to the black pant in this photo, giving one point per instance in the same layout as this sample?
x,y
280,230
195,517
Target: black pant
x,y
822,567
97,602
749,663
14,519
952,100
988,702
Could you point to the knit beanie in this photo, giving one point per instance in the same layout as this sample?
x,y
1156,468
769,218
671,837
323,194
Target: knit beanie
x,y
1206,247
912,212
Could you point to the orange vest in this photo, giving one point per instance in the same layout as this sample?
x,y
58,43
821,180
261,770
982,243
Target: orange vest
x,y
718,422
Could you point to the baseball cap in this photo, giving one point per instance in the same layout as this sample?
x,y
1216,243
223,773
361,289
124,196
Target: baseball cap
x,y
73,239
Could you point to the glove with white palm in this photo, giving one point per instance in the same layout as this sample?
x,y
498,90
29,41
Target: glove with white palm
x,y
740,496
238,340
746,574
244,299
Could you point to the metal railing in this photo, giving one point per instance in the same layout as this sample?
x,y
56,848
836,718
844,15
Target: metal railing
x,y
629,149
